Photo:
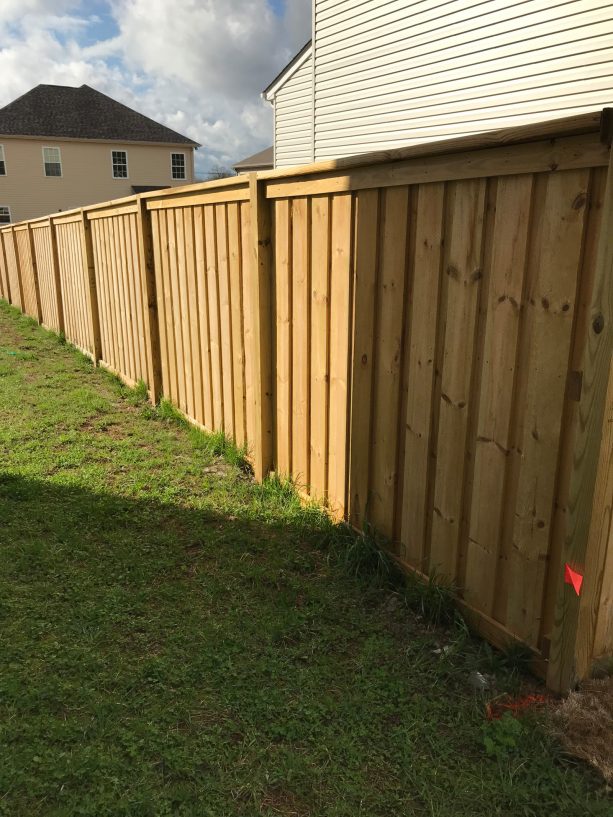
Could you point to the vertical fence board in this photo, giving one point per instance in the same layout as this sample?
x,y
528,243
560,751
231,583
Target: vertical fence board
x,y
203,317
340,349
550,310
388,353
237,308
509,249
300,358
423,320
319,342
464,274
249,344
283,281
12,267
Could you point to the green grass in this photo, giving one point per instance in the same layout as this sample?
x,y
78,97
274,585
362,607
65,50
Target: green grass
x,y
177,640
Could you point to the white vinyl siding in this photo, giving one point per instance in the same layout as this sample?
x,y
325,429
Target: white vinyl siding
x,y
398,72
294,118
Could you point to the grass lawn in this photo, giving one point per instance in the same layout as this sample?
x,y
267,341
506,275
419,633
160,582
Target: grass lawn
x,y
177,640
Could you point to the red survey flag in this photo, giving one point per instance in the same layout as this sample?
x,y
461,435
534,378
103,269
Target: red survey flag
x,y
572,577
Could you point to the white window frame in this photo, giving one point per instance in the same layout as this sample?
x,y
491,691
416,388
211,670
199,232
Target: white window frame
x,y
3,160
119,178
6,207
179,153
59,150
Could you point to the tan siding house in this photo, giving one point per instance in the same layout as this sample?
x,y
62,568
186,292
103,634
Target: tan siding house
x,y
47,172
398,72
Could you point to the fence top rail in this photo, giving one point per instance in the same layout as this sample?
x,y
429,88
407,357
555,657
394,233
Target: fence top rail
x,y
593,122
198,187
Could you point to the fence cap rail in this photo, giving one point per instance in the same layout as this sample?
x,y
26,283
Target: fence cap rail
x,y
518,134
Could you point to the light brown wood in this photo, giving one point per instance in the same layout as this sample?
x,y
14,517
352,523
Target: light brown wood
x,y
283,282
493,443
151,328
388,357
300,357
261,301
320,346
553,129
340,348
175,202
589,503
203,317
214,317
463,269
237,309
225,316
555,263
422,319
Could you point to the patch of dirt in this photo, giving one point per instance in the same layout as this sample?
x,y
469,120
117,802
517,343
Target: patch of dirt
x,y
584,725
280,801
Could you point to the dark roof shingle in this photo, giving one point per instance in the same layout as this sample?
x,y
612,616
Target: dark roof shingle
x,y
81,113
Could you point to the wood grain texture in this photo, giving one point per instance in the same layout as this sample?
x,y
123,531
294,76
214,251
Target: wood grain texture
x,y
424,308
340,347
320,346
587,537
387,357
464,276
492,443
367,228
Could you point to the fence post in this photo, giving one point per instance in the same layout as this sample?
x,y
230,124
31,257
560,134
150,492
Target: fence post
x,y
575,616
7,280
17,269
39,309
56,277
152,330
90,271
260,290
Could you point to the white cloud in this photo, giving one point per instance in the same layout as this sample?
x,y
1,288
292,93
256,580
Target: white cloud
x,y
198,66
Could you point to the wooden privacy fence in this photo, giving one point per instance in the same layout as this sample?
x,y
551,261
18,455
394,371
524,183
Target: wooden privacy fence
x,y
420,338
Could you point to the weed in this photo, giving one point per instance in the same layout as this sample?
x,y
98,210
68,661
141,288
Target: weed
x,y
501,737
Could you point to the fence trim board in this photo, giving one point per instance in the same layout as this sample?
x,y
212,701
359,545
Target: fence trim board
x,y
550,129
539,157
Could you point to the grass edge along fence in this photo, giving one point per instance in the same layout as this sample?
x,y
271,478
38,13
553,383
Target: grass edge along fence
x,y
420,338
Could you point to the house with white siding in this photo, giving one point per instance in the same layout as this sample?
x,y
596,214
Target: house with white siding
x,y
392,73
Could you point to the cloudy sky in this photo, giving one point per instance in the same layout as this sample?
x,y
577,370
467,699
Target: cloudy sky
x,y
198,66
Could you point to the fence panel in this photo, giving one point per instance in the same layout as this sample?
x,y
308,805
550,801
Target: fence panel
x,y
27,270
122,295
424,320
76,297
12,268
202,264
45,251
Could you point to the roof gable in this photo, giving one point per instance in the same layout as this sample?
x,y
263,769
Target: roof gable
x,y
289,70
59,111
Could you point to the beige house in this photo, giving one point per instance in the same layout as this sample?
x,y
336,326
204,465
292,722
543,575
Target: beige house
x,y
64,147
397,72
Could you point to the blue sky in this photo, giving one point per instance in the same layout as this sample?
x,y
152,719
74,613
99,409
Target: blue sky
x,y
198,66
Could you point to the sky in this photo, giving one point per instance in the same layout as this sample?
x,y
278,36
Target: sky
x,y
197,66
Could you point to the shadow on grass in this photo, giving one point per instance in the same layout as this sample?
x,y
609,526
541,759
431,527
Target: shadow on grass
x,y
160,659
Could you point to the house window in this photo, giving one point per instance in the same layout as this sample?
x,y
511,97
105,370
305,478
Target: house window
x,y
120,164
177,164
5,215
53,161
2,162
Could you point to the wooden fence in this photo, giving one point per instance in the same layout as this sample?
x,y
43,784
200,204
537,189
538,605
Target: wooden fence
x,y
420,338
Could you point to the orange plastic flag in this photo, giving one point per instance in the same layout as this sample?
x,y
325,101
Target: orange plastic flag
x,y
572,577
